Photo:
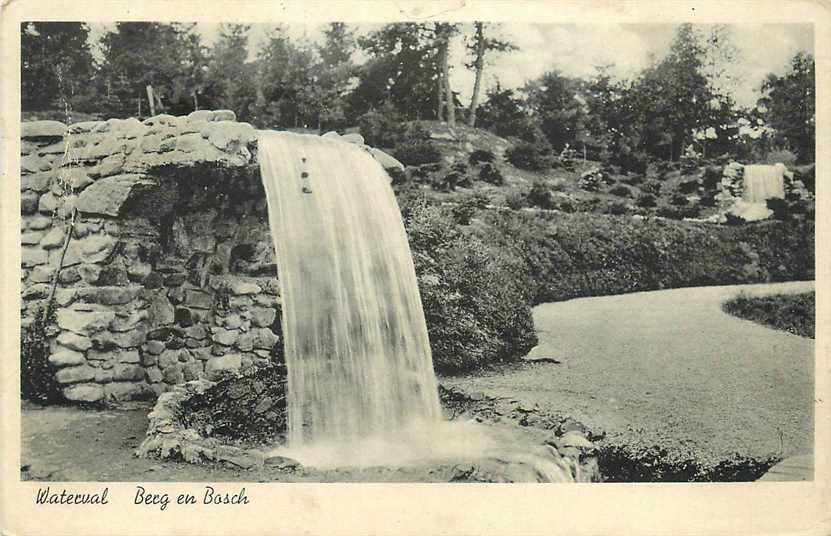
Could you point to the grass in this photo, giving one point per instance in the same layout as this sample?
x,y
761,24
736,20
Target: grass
x,y
794,313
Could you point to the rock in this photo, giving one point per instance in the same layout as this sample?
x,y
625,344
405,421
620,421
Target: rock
x,y
244,460
575,439
73,341
282,463
127,356
77,178
32,238
39,223
154,375
107,196
109,295
353,137
84,392
224,115
64,357
220,365
225,337
84,322
111,165
75,374
121,391
53,239
135,318
41,274
198,300
192,370
92,249
168,358
126,372
386,161
200,116
126,339
39,182
29,202
266,339
42,129
155,347
242,288
263,317
48,203
173,375
264,405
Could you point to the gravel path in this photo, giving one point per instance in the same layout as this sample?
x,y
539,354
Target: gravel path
x,y
670,368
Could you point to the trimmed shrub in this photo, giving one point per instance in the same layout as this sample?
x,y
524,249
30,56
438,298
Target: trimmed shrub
x,y
652,187
480,156
540,196
621,191
475,303
382,127
679,200
491,174
525,155
515,201
646,201
416,153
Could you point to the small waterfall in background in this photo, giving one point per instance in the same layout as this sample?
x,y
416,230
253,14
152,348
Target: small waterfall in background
x,y
361,385
761,182
764,182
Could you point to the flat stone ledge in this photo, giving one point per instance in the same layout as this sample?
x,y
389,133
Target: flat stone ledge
x,y
42,129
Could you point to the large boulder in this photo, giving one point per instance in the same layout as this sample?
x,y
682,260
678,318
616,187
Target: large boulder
x,y
108,196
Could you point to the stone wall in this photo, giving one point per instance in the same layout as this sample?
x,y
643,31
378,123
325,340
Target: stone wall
x,y
169,275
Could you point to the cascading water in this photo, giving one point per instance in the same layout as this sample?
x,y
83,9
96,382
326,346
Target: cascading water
x,y
763,182
361,386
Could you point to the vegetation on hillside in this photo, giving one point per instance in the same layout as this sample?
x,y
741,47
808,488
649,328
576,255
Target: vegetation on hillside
x,y
794,313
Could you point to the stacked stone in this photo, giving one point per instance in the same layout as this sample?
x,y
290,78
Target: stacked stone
x,y
732,186
134,310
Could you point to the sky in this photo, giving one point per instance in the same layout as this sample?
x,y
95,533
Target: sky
x,y
575,50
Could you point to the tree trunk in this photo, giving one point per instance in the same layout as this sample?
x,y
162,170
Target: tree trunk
x,y
440,93
448,94
479,66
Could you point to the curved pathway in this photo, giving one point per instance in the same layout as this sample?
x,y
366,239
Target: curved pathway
x,y
670,368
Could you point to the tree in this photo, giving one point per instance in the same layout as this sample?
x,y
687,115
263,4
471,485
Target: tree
x,y
336,73
138,54
674,98
443,32
504,113
56,64
229,81
402,68
478,47
557,102
789,106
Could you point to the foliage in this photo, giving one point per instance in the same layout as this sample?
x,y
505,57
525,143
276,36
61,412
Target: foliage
x,y
417,152
783,156
56,61
646,201
790,108
652,187
679,200
794,313
37,376
478,156
491,174
381,127
540,196
476,308
515,200
621,191
504,113
527,155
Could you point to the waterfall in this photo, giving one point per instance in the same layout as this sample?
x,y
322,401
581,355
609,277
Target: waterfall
x,y
763,182
361,386
357,352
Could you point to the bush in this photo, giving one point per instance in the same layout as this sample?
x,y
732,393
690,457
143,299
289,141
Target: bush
x,y
480,200
652,187
794,313
463,212
646,201
540,196
678,213
617,209
515,201
779,207
679,200
491,174
525,155
688,187
632,161
480,156
621,191
37,375
474,297
416,153
781,155
381,127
